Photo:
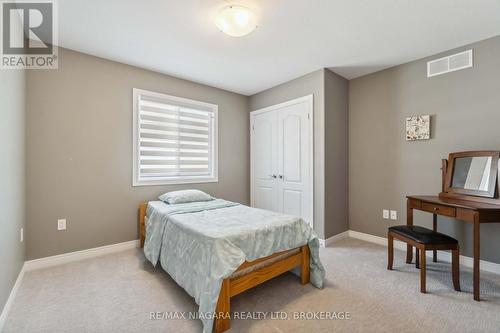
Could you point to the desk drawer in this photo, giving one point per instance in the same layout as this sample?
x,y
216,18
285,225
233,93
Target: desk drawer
x,y
439,209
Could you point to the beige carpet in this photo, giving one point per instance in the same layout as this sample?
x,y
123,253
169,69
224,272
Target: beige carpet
x,y
116,293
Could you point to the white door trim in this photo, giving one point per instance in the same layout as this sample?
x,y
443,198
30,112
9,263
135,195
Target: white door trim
x,y
309,99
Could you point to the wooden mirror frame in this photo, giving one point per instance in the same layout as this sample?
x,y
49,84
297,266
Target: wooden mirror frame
x,y
491,196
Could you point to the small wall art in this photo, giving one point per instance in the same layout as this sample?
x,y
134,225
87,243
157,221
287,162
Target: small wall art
x,y
418,128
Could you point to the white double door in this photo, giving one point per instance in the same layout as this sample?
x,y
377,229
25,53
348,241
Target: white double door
x,y
282,158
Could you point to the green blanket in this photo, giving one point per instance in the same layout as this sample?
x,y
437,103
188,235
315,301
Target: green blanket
x,y
200,244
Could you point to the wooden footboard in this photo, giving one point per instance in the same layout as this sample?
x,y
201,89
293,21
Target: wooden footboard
x,y
233,286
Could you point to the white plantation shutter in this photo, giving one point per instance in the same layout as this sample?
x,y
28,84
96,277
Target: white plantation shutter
x,y
175,140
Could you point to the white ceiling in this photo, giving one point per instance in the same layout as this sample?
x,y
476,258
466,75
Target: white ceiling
x,y
294,37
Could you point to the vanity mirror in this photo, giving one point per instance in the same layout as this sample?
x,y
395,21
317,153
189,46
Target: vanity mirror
x,y
472,176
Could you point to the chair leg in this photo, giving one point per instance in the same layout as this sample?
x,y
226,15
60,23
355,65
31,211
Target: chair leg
x,y
455,266
417,258
390,251
422,270
434,228
409,253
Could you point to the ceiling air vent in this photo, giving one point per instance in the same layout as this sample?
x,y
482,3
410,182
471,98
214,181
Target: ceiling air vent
x,y
450,63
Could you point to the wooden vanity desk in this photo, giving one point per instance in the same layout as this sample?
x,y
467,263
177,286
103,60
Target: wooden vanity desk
x,y
470,193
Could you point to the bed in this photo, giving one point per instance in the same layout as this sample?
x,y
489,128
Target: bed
x,y
216,250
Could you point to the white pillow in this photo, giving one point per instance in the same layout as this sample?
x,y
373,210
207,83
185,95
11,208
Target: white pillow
x,y
184,196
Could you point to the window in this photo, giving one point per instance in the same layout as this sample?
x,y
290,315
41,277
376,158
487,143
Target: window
x,y
175,140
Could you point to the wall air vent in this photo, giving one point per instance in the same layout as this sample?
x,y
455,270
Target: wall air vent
x,y
450,63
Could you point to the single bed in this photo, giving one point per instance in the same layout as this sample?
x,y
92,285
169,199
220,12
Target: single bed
x,y
227,241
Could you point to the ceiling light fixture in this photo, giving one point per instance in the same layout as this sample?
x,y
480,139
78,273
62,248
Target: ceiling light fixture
x,y
236,21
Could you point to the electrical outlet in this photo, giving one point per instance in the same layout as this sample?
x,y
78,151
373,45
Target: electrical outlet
x,y
385,214
21,235
61,224
394,215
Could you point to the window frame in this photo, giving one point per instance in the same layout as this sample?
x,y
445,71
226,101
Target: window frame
x,y
136,180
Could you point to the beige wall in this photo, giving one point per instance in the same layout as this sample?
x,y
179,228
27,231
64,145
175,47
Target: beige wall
x,y
79,151
12,178
336,154
79,145
326,87
384,168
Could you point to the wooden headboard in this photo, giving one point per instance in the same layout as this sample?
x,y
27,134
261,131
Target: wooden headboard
x,y
142,221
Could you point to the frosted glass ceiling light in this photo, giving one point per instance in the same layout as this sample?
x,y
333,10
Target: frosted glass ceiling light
x,y
236,21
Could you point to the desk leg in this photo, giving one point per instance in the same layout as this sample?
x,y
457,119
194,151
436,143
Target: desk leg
x,y
409,222
476,256
434,227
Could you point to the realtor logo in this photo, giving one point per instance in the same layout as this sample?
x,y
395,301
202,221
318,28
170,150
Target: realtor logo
x,y
29,33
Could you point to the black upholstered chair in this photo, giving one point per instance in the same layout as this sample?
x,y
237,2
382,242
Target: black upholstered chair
x,y
423,240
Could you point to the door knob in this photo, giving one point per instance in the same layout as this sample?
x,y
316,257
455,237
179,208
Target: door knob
x,y
281,176
272,176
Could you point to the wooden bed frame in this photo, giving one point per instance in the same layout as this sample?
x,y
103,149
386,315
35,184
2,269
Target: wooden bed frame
x,y
240,283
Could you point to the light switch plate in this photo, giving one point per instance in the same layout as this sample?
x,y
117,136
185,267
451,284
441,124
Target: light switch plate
x,y
385,214
394,215
61,224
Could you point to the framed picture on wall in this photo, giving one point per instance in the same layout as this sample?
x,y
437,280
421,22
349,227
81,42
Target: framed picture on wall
x,y
418,128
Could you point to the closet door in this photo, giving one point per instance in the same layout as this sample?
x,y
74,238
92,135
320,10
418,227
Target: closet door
x,y
264,133
294,160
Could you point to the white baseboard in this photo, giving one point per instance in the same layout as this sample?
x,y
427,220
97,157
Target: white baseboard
x,y
486,266
335,238
78,255
12,295
376,239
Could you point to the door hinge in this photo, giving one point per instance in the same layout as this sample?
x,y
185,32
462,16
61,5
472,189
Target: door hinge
x,y
308,116
253,127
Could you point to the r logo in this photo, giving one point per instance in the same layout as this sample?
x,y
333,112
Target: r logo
x,y
36,36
